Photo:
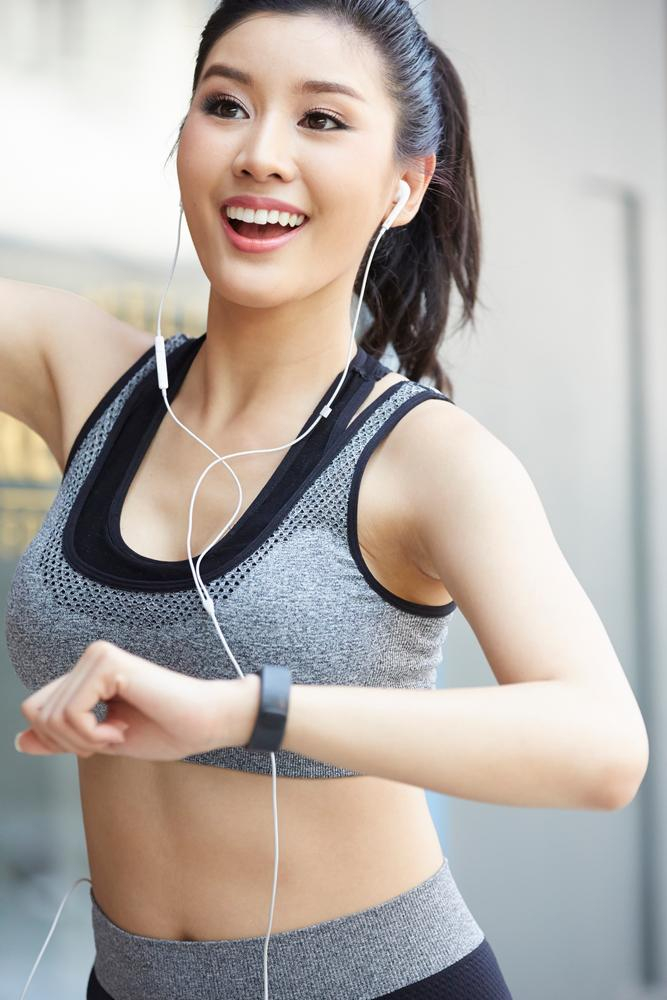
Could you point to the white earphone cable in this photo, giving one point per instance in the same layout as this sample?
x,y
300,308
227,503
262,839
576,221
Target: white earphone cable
x,y
207,601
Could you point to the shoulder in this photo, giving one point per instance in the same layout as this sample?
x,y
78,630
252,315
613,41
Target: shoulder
x,y
438,439
449,470
436,429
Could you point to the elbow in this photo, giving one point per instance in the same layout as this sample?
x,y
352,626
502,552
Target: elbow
x,y
620,782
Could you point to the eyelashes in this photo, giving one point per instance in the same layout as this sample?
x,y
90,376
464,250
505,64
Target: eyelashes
x,y
216,100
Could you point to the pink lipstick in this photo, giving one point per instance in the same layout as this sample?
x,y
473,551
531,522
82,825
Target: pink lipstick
x,y
260,244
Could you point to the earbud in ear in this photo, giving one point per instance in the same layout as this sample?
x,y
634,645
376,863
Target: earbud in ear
x,y
402,195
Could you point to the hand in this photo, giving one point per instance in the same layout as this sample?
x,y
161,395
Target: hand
x,y
153,713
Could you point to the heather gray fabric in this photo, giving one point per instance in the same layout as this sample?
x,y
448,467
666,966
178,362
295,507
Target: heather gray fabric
x,y
299,598
355,957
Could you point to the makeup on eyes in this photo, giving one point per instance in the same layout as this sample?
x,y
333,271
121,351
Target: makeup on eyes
x,y
212,101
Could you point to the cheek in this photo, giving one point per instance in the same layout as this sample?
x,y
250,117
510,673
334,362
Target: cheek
x,y
350,230
198,158
353,213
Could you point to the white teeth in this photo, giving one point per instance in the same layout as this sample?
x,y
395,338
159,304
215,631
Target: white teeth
x,y
263,216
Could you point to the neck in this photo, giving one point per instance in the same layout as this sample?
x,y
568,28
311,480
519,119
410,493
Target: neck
x,y
266,368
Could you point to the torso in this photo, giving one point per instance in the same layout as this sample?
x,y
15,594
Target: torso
x,y
184,851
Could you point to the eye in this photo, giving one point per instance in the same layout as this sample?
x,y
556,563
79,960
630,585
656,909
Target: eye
x,y
326,114
213,101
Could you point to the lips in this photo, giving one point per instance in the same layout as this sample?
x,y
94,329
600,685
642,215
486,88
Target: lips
x,y
248,243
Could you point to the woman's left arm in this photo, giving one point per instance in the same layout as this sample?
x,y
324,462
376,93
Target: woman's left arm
x,y
562,728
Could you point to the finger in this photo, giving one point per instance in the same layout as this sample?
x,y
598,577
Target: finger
x,y
33,705
52,738
65,725
73,727
67,716
51,725
30,742
102,683
96,733
45,738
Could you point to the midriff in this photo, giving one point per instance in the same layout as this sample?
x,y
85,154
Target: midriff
x,y
186,852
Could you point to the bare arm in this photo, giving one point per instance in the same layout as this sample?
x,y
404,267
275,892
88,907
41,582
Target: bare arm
x,y
536,744
27,391
562,727
58,352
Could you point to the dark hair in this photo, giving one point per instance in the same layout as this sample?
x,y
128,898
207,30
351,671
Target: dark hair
x,y
410,281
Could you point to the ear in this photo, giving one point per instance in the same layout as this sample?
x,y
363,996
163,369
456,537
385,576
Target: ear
x,y
419,178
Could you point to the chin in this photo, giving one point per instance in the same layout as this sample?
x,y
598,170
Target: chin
x,y
263,295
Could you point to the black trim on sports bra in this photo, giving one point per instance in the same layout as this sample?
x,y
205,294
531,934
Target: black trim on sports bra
x,y
423,610
92,543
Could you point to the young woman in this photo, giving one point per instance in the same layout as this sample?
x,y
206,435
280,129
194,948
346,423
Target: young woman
x,y
351,550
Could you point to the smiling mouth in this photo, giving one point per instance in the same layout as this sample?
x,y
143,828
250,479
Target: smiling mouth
x,y
255,231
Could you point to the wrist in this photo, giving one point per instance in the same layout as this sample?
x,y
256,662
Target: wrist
x,y
233,709
250,691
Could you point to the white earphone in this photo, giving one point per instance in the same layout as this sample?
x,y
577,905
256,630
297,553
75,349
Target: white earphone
x,y
402,195
400,200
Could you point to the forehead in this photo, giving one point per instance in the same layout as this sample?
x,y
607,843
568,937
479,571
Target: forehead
x,y
282,50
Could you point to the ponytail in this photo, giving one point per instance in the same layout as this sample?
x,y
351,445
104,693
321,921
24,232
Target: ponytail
x,y
410,282
409,287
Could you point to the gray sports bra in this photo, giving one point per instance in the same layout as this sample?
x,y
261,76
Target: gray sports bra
x,y
288,579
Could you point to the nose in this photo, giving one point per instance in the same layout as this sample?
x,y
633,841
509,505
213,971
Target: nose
x,y
265,150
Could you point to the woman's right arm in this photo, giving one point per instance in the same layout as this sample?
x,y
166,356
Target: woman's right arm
x,y
27,391
59,353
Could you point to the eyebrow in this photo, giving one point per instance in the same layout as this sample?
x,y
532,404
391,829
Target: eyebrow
x,y
302,86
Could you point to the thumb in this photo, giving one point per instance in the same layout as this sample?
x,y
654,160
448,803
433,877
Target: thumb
x,y
120,714
28,741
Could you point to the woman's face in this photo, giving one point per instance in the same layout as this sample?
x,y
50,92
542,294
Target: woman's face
x,y
329,154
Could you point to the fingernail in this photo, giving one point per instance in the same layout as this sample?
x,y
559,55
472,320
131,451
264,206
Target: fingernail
x,y
16,743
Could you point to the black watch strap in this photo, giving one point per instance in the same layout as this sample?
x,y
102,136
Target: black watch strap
x,y
275,684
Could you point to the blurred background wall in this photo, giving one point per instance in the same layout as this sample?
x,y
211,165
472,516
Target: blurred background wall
x,y
569,116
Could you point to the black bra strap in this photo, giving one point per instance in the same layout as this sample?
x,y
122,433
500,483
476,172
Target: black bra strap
x,y
371,370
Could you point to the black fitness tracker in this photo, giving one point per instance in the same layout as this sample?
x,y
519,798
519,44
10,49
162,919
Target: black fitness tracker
x,y
275,684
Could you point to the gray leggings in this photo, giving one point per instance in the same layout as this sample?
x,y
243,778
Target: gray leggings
x,y
420,945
